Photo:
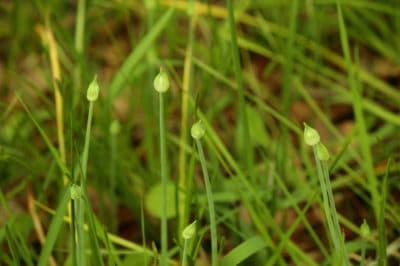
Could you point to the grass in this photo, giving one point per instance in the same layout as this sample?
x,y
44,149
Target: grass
x,y
78,178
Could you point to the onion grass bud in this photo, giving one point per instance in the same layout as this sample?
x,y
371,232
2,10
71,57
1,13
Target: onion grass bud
x,y
189,231
322,152
311,136
161,82
93,90
197,131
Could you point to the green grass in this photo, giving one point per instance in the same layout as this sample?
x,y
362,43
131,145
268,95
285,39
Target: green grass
x,y
253,72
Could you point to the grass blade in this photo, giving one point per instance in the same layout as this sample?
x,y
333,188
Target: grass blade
x,y
243,251
54,228
121,76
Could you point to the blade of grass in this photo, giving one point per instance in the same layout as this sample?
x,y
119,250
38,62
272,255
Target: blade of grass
x,y
281,154
243,126
241,252
52,149
12,246
360,120
54,228
121,76
382,242
186,88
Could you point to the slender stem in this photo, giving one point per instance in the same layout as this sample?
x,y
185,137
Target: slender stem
x,y
184,259
80,212
363,262
85,154
330,210
211,209
164,228
186,86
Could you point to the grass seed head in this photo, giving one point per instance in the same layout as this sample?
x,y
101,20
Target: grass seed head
x,y
311,136
161,82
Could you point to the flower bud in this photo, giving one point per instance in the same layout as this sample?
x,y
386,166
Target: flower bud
x,y
311,136
364,229
189,231
75,192
197,131
161,82
93,90
322,152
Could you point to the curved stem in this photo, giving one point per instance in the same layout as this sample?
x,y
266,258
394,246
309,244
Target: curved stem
x,y
211,208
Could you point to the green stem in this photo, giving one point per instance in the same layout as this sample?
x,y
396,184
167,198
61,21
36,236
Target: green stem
x,y
80,212
164,228
184,259
213,225
330,210
85,153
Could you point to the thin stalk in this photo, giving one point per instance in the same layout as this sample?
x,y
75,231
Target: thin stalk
x,y
163,155
184,259
80,212
85,153
186,85
211,208
330,209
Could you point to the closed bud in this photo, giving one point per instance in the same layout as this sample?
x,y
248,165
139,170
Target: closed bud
x,y
75,192
93,90
161,82
189,231
364,229
311,136
322,152
197,131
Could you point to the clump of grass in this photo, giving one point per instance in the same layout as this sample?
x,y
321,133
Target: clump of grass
x,y
197,131
161,85
321,154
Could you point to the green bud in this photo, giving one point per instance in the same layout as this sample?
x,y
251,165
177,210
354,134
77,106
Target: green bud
x,y
322,152
364,228
115,127
311,136
75,191
197,131
161,82
189,231
93,90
